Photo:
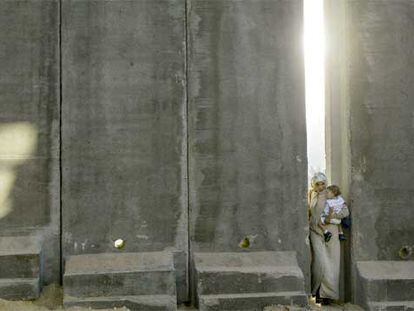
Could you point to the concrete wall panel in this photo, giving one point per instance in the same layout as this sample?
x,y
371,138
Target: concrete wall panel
x,y
247,136
381,93
29,125
124,141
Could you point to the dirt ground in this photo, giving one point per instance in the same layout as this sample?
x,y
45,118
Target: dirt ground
x,y
52,295
316,307
50,299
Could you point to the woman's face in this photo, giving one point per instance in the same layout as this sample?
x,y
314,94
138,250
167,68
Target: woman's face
x,y
320,186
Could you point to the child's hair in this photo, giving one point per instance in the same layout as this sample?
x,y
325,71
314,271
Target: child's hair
x,y
334,189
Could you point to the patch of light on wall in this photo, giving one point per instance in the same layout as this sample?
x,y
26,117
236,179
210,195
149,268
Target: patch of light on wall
x,y
314,48
17,144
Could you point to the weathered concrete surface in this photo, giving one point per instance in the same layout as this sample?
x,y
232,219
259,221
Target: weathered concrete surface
x,y
124,138
381,113
131,303
247,139
121,274
29,125
372,141
20,289
337,120
228,273
20,263
136,280
247,281
19,257
250,301
384,285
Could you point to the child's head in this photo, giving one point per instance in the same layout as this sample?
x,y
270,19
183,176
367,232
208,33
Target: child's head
x,y
333,191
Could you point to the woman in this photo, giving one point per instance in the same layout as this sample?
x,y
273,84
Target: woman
x,y
325,256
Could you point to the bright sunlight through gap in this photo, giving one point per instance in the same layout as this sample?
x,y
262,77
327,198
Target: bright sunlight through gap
x,y
314,48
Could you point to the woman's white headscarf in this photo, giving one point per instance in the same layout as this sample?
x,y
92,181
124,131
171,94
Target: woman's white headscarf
x,y
318,177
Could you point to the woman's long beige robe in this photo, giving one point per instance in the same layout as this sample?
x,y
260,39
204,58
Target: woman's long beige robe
x,y
325,256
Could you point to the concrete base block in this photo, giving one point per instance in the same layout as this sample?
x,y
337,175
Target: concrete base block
x,y
248,281
114,274
391,306
19,267
24,265
140,281
227,282
138,303
387,284
19,257
250,301
120,283
19,289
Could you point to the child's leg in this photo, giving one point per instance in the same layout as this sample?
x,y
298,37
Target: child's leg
x,y
341,235
327,235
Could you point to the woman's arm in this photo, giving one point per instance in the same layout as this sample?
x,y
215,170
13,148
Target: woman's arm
x,y
310,192
325,215
309,203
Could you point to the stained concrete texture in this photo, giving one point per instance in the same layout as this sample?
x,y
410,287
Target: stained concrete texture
x,y
127,274
370,141
247,281
20,265
385,285
247,140
370,134
29,125
19,257
227,273
381,123
123,128
133,303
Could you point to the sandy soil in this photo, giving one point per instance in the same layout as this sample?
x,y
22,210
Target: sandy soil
x,y
317,307
51,299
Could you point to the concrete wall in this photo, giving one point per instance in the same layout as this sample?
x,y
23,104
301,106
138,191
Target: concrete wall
x,y
381,79
371,149
337,118
29,125
247,136
124,130
123,127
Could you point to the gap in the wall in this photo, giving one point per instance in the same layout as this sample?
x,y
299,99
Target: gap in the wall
x,y
314,51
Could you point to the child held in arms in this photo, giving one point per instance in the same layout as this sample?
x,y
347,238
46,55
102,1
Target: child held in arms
x,y
334,204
